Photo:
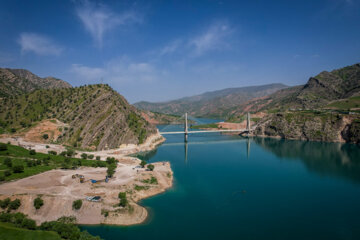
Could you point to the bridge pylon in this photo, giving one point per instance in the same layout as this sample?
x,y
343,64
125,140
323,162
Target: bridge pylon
x,y
248,122
186,129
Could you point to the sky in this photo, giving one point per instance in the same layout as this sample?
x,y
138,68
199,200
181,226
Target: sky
x,y
163,50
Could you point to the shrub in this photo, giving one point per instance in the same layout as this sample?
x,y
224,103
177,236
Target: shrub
x,y
91,156
100,164
7,173
143,163
70,153
8,162
151,167
13,205
38,202
47,146
52,152
98,158
63,153
18,169
123,199
5,203
77,204
45,136
28,223
111,170
3,147
12,130
32,152
110,160
2,178
84,156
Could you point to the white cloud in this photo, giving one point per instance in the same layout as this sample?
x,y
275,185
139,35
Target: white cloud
x,y
213,38
171,47
88,73
98,19
118,71
39,44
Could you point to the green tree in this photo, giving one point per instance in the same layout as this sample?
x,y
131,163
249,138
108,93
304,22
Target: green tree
x,y
28,223
7,173
38,202
150,167
143,163
45,136
13,205
84,156
8,162
98,158
3,147
77,204
123,199
111,170
32,152
5,203
91,156
18,169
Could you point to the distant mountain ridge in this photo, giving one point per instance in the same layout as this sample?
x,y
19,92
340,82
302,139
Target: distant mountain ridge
x,y
320,91
19,81
211,104
326,108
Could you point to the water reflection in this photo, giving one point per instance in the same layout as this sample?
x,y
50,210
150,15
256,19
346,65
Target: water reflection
x,y
333,159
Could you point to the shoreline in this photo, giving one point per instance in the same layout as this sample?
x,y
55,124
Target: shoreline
x,y
58,189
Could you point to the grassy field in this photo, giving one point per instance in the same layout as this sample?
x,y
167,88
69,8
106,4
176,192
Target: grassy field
x,y
37,163
9,232
201,126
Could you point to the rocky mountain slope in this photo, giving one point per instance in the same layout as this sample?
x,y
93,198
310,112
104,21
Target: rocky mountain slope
x,y
326,108
211,104
322,91
18,81
95,116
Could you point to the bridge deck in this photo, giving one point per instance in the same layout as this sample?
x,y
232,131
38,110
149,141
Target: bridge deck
x,y
206,131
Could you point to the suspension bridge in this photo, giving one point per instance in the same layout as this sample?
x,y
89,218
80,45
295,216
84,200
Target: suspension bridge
x,y
186,131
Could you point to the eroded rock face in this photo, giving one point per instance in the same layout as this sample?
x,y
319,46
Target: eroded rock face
x,y
311,126
351,132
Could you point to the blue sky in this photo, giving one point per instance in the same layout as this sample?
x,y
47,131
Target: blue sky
x,y
161,50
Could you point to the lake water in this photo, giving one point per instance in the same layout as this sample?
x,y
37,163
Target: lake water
x,y
229,187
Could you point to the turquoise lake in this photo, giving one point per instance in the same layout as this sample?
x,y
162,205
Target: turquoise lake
x,y
229,187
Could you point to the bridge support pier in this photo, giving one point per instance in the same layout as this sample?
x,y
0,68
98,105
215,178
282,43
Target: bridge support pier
x,y
186,129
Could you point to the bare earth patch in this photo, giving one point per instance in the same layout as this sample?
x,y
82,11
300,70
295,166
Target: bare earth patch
x,y
58,190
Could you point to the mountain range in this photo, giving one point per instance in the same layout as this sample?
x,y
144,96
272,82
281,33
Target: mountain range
x,y
217,104
19,81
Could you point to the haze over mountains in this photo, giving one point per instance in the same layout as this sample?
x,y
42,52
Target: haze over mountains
x,y
212,104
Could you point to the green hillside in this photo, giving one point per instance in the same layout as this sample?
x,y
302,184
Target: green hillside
x,y
9,232
96,116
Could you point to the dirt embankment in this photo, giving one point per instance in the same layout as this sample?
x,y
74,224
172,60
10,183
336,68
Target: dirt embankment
x,y
59,189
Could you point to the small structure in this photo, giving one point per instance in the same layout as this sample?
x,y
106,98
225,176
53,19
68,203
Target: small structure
x,y
94,199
